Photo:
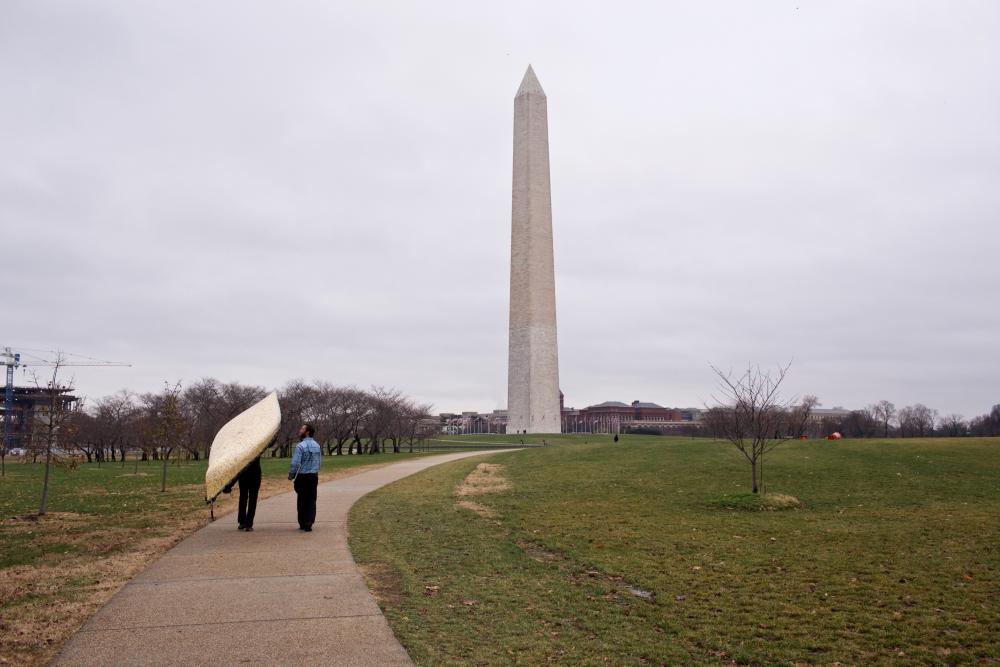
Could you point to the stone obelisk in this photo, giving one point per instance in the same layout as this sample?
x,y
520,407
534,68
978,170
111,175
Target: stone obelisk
x,y
533,362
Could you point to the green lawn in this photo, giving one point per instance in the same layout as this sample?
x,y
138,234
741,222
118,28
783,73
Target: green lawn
x,y
103,525
892,558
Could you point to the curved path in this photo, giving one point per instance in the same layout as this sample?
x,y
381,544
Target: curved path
x,y
276,596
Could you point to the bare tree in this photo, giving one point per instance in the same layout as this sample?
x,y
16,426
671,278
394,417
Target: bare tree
x,y
917,420
798,416
55,423
85,436
380,417
862,423
416,424
988,424
954,425
339,411
166,423
884,411
117,415
751,415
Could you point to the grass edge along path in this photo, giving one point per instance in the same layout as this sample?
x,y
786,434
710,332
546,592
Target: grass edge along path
x,y
617,554
105,525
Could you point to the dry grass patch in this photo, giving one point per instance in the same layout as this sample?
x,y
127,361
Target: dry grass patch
x,y
779,501
756,502
486,478
47,601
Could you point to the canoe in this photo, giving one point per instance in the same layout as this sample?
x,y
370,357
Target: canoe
x,y
239,442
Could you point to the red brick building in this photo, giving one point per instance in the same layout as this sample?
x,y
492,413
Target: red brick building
x,y
616,417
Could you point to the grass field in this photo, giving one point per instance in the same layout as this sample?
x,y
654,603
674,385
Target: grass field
x,y
103,526
644,553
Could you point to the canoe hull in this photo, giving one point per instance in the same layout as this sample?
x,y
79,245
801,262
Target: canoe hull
x,y
239,442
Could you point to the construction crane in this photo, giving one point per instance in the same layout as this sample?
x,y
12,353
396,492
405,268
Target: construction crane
x,y
12,360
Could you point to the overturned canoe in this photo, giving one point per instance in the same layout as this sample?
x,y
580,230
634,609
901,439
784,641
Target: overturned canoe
x,y
239,442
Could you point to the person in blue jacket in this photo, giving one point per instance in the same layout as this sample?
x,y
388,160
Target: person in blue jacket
x,y
304,473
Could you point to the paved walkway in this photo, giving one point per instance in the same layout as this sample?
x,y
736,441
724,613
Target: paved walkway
x,y
276,596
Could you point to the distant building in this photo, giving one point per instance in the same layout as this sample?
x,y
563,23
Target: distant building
x,y
607,417
819,415
472,423
618,417
31,413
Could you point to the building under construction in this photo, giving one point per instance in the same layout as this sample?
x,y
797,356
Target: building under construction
x,y
31,415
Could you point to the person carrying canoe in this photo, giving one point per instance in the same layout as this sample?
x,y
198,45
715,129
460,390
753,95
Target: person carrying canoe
x,y
249,481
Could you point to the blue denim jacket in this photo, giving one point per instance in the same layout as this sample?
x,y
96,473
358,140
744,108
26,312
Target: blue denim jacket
x,y
305,459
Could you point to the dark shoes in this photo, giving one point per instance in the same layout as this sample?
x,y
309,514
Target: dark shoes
x,y
307,529
248,529
239,527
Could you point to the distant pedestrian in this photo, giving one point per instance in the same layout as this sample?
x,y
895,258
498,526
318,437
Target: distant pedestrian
x,y
304,473
616,437
249,481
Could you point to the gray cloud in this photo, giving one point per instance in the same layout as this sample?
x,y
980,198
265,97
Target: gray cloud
x,y
261,192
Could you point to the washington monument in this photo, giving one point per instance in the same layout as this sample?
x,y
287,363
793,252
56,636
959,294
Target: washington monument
x,y
533,361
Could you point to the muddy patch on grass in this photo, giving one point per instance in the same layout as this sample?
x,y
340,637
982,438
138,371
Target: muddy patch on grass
x,y
384,582
615,587
481,510
537,552
486,478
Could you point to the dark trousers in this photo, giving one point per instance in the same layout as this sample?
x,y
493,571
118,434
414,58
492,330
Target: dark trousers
x,y
305,489
248,503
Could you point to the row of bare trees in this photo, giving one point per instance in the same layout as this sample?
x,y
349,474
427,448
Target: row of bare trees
x,y
183,420
883,419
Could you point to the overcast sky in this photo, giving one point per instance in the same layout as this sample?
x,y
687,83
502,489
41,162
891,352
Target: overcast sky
x,y
264,191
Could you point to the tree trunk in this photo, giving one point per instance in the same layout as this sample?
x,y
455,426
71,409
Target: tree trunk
x,y
753,475
760,474
163,481
45,481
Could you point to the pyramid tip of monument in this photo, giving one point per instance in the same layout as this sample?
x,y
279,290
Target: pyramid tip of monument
x,y
529,84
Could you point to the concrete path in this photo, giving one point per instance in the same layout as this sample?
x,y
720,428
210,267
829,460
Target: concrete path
x,y
276,596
